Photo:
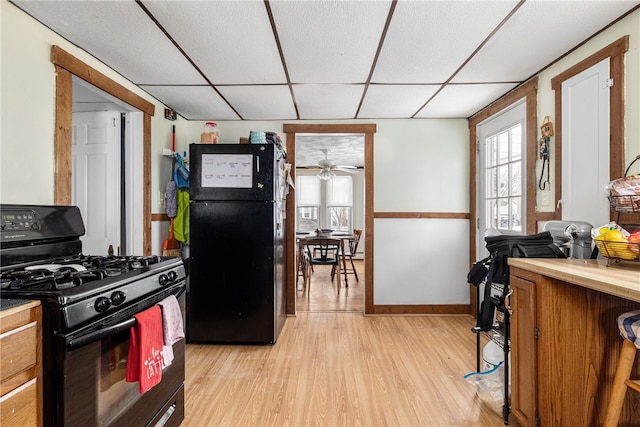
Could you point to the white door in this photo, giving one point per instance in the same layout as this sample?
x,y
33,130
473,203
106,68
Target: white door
x,y
96,178
501,172
585,145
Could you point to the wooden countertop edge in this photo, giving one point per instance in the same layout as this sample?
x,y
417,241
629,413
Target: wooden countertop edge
x,y
12,310
621,280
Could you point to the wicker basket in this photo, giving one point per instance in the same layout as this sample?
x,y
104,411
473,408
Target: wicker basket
x,y
625,204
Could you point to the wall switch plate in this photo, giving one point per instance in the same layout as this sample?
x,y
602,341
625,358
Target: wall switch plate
x,y
161,199
544,199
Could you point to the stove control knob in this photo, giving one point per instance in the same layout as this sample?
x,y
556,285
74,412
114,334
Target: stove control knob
x,y
118,297
102,304
163,279
173,276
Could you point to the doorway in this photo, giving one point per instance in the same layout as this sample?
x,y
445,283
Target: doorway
x,y
368,131
105,137
138,159
329,190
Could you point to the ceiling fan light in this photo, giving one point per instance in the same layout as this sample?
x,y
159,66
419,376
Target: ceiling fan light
x,y
325,174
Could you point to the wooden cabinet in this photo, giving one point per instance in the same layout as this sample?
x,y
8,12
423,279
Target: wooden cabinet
x,y
21,365
565,346
523,361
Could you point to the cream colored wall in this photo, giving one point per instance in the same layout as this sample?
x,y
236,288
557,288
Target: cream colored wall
x,y
420,165
630,25
28,110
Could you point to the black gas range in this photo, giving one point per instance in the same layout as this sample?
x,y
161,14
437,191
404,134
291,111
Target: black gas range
x,y
88,307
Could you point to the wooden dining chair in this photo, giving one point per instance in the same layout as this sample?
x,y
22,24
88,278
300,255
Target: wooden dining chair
x,y
327,254
350,252
301,262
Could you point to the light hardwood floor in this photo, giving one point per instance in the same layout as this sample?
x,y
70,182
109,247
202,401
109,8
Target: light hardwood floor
x,y
322,294
336,368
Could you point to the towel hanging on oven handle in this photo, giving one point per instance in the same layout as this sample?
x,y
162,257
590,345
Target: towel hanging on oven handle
x,y
82,340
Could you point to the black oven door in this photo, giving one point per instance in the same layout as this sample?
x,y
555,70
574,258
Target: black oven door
x,y
91,389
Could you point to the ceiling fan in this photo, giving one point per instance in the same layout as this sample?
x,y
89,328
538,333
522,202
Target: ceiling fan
x,y
327,167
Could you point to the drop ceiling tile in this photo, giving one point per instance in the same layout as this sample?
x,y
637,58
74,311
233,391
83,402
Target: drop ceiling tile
x,y
343,149
537,34
325,43
272,102
428,40
462,101
231,42
119,34
329,41
327,101
395,101
193,102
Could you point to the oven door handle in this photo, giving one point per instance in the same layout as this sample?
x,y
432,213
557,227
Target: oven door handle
x,y
75,343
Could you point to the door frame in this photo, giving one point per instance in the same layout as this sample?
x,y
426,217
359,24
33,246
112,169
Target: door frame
x,y
528,91
480,179
615,52
67,66
290,131
586,134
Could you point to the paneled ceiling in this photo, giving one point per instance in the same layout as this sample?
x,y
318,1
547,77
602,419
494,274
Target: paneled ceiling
x,y
333,60
325,60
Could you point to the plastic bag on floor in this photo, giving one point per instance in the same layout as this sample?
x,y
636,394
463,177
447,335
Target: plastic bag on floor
x,y
489,385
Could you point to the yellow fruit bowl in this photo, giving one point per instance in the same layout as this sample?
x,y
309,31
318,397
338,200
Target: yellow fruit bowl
x,y
618,250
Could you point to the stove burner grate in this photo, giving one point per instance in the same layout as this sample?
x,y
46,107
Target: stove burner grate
x,y
43,279
67,273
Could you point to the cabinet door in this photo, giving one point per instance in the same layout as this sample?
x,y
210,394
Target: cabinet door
x,y
523,366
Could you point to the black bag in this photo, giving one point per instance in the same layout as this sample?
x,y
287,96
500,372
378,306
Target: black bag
x,y
478,271
501,248
531,246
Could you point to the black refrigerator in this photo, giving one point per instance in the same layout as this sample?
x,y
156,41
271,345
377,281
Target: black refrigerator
x,y
236,292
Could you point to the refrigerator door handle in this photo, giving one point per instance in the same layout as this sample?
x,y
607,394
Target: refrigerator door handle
x,y
257,163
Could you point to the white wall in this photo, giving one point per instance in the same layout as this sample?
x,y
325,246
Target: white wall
x,y
421,261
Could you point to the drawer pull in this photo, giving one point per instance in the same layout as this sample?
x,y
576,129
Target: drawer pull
x,y
18,329
18,389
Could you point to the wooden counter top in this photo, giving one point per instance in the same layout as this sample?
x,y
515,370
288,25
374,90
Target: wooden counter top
x,y
620,279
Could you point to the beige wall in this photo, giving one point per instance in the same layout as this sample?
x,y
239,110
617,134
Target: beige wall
x,y
546,97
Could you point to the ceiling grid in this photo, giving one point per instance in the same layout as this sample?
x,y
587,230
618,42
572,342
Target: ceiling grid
x,y
327,59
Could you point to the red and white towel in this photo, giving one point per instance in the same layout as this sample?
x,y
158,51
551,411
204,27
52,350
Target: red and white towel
x,y
172,327
144,362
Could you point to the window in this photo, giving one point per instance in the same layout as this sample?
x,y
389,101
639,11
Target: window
x,y
307,203
339,202
324,204
501,173
503,179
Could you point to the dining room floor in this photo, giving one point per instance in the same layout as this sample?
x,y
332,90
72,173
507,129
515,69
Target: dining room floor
x,y
322,295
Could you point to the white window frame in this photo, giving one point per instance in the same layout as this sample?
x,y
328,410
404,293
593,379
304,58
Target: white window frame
x,y
344,203
504,121
307,202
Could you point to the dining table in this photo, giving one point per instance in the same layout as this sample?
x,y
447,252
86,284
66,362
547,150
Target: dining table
x,y
343,236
